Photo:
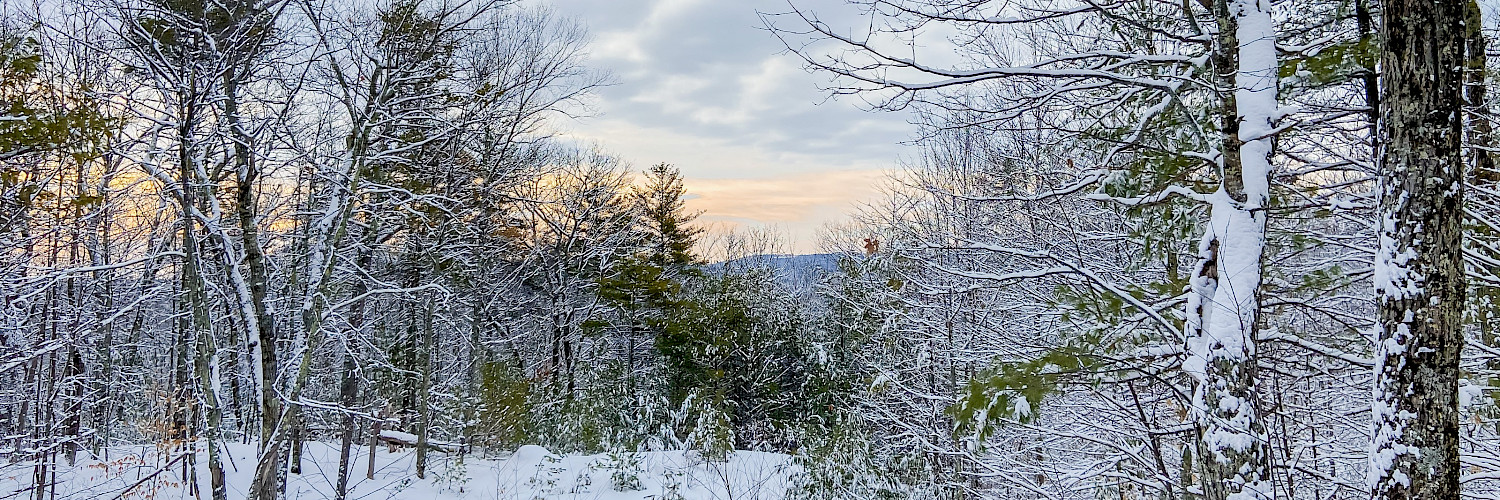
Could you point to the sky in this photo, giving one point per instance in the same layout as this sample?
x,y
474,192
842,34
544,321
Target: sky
x,y
702,85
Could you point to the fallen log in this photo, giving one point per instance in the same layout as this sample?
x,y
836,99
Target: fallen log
x,y
405,439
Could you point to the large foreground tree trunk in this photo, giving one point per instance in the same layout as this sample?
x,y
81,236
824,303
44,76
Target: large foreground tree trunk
x,y
1419,280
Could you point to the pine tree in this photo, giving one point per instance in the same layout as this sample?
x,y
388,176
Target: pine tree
x,y
669,234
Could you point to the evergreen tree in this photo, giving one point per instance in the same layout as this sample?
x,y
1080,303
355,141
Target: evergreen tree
x,y
670,237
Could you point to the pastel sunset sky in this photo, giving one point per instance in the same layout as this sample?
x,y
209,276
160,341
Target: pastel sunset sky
x,y
702,85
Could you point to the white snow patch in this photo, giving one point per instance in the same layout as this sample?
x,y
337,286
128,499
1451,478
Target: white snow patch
x,y
531,472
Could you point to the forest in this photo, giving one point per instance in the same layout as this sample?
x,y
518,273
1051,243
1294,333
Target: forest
x,y
1208,249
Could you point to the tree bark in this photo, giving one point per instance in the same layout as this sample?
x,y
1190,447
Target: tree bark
x,y
374,442
348,387
261,327
424,399
206,359
295,460
1224,308
1419,274
349,383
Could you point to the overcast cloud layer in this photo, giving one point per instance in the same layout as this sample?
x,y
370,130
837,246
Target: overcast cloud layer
x,y
702,86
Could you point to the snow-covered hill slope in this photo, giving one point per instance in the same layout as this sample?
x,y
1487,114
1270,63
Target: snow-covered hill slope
x,y
530,473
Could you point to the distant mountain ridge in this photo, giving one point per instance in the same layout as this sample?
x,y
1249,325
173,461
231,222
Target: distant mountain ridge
x,y
798,270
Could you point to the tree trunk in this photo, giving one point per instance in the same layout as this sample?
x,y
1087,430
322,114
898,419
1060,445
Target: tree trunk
x,y
374,442
348,387
349,380
206,359
424,400
1419,274
295,420
259,325
1224,308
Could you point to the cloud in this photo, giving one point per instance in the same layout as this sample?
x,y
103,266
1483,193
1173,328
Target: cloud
x,y
703,86
708,68
709,156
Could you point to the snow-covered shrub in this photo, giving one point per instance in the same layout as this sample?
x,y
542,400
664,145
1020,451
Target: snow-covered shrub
x,y
624,470
836,461
453,474
502,416
545,479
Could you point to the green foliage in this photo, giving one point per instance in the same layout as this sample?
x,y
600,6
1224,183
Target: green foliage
x,y
662,201
838,462
504,409
859,298
612,413
738,341
18,57
1152,138
454,474
1149,172
1331,65
582,424
712,434
400,381
39,114
624,470
640,285
643,290
1099,312
45,119
1015,390
194,32
415,39
1328,278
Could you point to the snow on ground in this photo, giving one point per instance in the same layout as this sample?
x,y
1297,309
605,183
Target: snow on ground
x,y
530,473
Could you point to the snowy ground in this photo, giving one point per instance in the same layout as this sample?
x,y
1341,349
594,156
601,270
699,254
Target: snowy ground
x,y
530,473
